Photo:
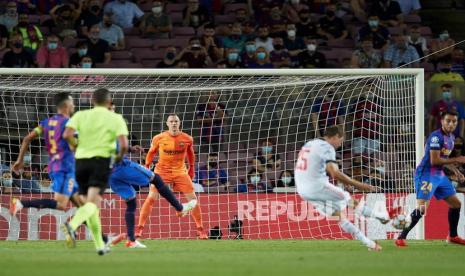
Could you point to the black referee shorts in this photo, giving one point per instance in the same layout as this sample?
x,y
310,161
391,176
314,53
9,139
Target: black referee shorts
x,y
92,172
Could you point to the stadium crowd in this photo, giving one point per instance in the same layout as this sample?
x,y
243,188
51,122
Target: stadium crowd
x,y
230,34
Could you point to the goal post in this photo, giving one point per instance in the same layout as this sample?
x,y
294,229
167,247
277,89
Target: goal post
x,y
234,115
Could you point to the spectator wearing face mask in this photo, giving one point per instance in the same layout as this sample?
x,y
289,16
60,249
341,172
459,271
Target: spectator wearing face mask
x,y
156,24
442,48
445,74
17,57
125,14
211,176
169,60
311,58
7,182
52,54
249,56
447,103
255,183
294,45
195,15
266,158
75,58
86,62
416,40
286,179
306,27
399,53
91,15
379,34
262,59
388,11
97,48
10,18
112,33
332,27
233,59
279,56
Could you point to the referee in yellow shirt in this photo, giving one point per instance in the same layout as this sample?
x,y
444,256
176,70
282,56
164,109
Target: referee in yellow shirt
x,y
99,130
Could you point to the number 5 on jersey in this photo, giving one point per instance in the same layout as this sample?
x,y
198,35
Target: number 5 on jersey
x,y
302,161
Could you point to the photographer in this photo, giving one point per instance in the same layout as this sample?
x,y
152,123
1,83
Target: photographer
x,y
195,55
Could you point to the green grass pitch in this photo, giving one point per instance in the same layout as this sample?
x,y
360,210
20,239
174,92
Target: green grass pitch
x,y
232,257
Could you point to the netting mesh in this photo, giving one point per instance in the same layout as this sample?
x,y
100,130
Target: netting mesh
x,y
237,117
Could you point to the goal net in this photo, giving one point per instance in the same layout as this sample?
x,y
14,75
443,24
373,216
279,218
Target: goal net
x,y
248,126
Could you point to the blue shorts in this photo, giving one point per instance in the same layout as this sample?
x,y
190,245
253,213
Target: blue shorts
x,y
438,185
64,183
126,175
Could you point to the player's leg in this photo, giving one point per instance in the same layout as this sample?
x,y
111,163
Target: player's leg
x,y
369,212
165,192
447,192
184,185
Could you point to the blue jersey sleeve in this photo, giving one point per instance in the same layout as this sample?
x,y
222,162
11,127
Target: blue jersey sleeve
x,y
223,176
42,124
436,141
317,105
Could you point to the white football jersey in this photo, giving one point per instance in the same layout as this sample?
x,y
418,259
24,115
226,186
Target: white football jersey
x,y
310,169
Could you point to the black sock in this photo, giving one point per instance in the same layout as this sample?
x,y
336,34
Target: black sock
x,y
130,217
454,216
416,216
165,192
104,236
40,203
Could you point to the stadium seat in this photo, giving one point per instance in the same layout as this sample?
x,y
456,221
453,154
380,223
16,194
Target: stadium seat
x,y
175,8
69,42
426,31
121,55
179,32
346,43
131,31
176,42
34,19
395,30
224,19
145,54
119,64
44,17
146,7
232,7
136,42
412,19
176,19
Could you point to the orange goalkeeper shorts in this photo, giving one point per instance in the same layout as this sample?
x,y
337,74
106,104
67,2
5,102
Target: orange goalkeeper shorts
x,y
181,183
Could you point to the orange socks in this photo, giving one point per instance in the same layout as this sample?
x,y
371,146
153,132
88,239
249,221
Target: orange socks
x,y
197,216
146,210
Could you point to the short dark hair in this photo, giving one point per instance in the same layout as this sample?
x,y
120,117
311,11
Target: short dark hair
x,y
333,131
446,85
101,95
213,154
449,112
60,98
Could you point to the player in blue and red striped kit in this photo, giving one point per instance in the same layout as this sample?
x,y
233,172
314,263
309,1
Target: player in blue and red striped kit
x,y
61,162
430,179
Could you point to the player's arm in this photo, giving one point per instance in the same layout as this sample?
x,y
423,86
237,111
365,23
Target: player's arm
x,y
152,151
333,170
18,165
70,137
123,147
191,159
437,160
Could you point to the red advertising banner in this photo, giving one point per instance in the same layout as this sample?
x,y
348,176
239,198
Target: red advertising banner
x,y
263,216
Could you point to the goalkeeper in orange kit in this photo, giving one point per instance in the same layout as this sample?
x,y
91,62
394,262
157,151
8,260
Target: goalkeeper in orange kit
x,y
173,146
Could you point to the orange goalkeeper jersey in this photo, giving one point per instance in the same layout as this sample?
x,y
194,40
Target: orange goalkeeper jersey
x,y
172,151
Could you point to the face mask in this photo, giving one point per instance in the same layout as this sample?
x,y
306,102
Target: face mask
x,y
233,56
447,95
261,55
255,179
18,45
278,47
52,45
95,36
213,164
444,36
311,47
95,8
27,159
250,48
86,65
11,12
170,56
8,182
286,179
291,33
82,52
373,23
157,9
267,149
381,169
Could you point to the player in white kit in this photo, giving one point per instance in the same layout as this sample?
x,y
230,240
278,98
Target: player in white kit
x,y
317,159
